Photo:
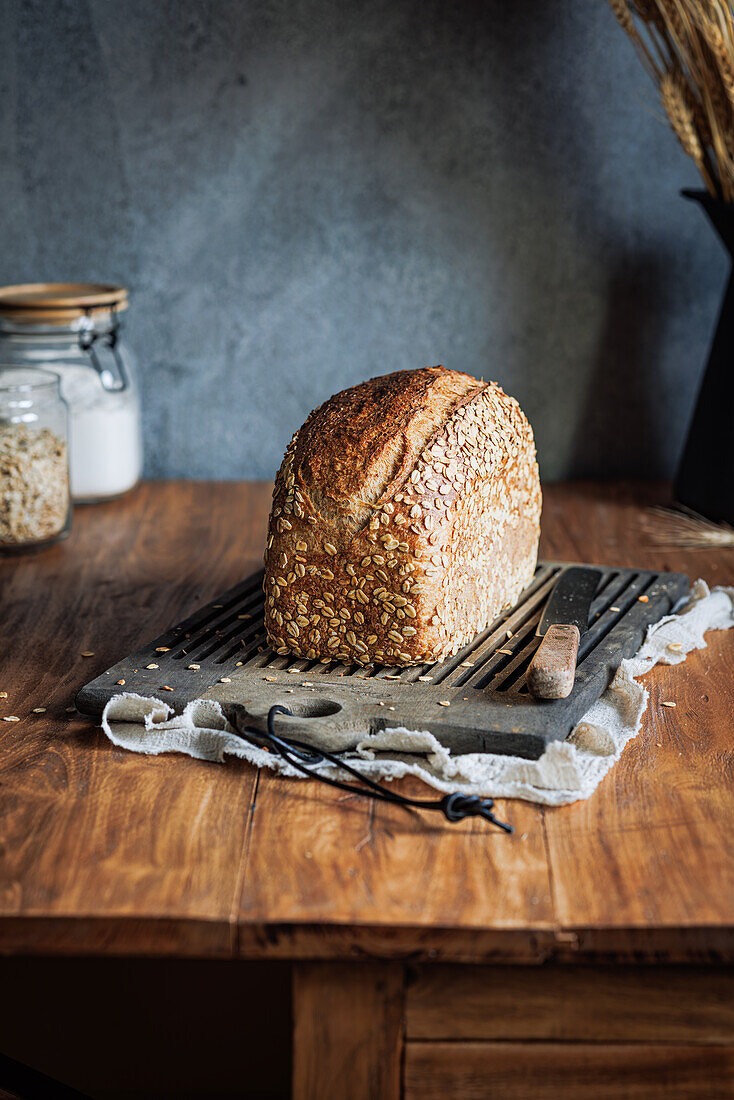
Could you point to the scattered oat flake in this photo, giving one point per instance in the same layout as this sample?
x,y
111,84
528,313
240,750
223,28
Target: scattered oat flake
x,y
294,671
509,634
121,682
307,684
11,718
425,679
39,710
467,664
225,680
88,653
668,704
166,688
507,651
194,668
674,645
162,649
244,616
380,703
289,691
151,666
71,710
644,599
391,708
238,664
615,608
391,676
444,703
3,694
271,679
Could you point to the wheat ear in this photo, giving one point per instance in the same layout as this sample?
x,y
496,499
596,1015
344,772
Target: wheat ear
x,y
625,19
669,527
722,53
680,116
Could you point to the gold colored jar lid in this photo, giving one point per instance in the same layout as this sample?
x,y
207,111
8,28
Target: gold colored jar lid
x,y
60,303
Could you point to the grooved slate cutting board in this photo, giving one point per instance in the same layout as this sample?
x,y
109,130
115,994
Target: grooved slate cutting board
x,y
490,709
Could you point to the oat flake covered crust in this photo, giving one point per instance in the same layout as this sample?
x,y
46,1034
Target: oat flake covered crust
x,y
406,517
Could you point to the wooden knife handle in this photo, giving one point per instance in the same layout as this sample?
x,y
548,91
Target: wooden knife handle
x,y
552,670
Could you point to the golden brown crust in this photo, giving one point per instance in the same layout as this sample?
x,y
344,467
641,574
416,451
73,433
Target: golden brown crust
x,y
362,443
405,518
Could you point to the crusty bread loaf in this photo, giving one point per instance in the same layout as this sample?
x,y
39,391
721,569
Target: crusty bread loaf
x,y
406,517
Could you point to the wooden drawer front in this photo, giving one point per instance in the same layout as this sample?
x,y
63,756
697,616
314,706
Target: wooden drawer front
x,y
567,1071
651,1004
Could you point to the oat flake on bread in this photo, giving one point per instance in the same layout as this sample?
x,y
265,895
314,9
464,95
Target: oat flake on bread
x,y
405,518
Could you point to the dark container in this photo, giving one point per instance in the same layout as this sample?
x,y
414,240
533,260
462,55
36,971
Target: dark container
x,y
705,477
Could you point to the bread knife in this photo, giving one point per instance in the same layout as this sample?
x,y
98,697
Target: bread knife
x,y
552,671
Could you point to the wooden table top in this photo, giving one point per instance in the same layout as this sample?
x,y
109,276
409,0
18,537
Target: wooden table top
x,y
103,851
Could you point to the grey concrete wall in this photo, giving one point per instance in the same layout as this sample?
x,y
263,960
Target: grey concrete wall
x,y
304,193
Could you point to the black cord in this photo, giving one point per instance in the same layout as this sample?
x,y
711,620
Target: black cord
x,y
454,807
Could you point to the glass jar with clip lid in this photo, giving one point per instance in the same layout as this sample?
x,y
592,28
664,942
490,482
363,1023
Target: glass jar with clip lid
x,y
74,330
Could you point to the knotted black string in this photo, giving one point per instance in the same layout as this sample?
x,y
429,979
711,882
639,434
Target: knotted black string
x,y
454,807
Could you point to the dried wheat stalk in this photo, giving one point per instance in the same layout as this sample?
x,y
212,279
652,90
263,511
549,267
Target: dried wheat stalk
x,y
687,47
683,527
682,117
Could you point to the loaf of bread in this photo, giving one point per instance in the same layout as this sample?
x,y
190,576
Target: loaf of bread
x,y
405,518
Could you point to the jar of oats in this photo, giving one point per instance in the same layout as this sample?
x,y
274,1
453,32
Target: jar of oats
x,y
35,503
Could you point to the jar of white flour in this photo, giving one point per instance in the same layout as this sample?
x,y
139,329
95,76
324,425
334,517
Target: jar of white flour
x,y
73,329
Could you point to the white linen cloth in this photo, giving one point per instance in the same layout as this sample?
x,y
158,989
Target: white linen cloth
x,y
566,772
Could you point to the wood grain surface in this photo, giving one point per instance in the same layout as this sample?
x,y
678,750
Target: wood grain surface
x,y
567,1071
658,1004
348,1031
107,852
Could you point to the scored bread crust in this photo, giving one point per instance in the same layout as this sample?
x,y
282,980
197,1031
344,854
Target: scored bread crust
x,y
405,518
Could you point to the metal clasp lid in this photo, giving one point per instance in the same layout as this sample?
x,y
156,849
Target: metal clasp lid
x,y
92,342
